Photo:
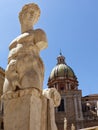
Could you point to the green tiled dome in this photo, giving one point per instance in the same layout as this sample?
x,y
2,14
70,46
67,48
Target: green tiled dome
x,y
61,69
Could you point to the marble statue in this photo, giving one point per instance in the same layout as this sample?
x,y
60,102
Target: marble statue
x,y
52,99
52,93
72,127
25,67
65,124
26,105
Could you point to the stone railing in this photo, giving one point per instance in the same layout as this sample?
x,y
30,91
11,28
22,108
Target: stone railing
x,y
90,128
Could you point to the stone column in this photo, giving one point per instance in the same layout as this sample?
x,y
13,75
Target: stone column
x,y
97,108
80,109
75,102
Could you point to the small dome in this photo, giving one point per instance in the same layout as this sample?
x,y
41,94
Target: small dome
x,y
62,69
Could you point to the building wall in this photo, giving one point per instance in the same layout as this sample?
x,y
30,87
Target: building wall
x,y
71,111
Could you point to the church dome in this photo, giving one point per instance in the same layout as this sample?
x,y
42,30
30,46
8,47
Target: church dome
x,y
62,69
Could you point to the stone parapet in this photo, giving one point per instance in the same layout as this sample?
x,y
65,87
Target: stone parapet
x,y
90,128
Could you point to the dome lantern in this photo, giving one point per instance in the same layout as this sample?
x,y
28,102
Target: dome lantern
x,y
60,59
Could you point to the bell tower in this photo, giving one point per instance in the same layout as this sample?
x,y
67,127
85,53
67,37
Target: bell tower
x,y
63,78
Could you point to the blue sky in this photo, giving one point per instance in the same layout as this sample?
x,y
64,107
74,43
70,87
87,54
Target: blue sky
x,y
70,25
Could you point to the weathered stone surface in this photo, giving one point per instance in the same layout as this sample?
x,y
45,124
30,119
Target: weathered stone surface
x,y
22,113
44,114
29,110
52,93
26,107
53,100
25,68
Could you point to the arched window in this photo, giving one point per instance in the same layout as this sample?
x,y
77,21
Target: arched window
x,y
61,106
62,88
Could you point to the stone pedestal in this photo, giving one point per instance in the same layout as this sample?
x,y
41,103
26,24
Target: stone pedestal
x,y
22,111
29,109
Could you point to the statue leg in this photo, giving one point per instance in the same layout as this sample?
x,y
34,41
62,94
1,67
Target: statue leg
x,y
7,86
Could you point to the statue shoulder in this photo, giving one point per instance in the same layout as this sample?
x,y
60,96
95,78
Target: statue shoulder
x,y
13,44
20,39
40,39
40,31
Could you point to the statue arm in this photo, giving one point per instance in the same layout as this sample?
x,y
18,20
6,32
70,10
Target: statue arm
x,y
52,93
40,39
